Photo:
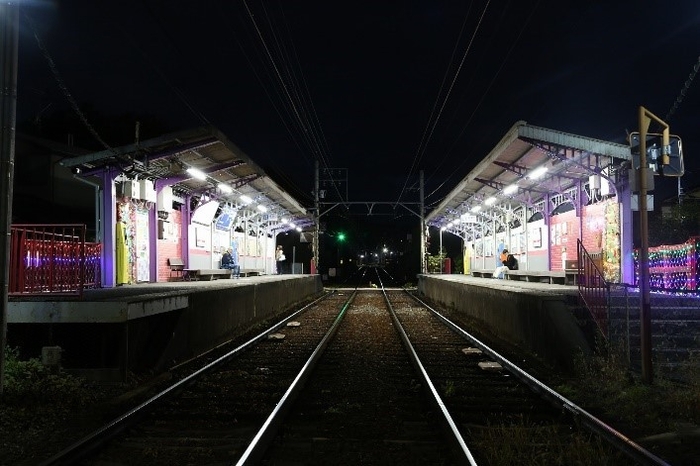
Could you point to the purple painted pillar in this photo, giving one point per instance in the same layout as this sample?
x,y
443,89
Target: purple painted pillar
x,y
626,233
580,203
547,222
185,217
153,243
109,220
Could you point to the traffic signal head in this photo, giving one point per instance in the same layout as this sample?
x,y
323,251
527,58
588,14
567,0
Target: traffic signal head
x,y
341,236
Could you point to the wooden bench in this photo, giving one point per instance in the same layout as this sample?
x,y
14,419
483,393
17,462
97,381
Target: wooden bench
x,y
206,274
177,267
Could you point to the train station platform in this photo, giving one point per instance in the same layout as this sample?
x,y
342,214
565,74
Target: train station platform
x,y
143,327
540,318
550,322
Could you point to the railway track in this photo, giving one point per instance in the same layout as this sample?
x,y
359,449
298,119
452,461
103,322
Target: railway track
x,y
368,377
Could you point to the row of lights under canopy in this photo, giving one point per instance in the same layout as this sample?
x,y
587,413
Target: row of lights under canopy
x,y
226,189
507,191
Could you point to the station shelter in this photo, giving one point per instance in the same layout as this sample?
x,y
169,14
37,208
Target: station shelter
x,y
185,196
539,193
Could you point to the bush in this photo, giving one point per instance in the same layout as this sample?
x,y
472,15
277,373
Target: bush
x,y
31,381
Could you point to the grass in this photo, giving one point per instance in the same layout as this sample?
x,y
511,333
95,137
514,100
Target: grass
x,y
523,442
604,383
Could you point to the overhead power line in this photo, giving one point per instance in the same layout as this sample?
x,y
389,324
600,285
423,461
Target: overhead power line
x,y
683,91
424,141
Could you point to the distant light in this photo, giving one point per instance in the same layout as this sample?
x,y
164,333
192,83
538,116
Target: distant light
x,y
385,250
299,229
491,200
510,189
199,174
450,225
262,208
537,172
245,199
443,228
285,220
225,188
476,208
291,224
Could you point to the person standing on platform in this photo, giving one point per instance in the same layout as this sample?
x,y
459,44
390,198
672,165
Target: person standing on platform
x,y
234,260
279,258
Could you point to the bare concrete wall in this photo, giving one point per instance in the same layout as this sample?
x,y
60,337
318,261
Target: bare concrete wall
x,y
212,317
539,322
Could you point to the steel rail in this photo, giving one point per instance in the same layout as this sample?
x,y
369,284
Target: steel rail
x,y
608,433
265,436
434,395
93,441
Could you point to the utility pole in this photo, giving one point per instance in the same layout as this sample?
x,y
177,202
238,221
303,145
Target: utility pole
x,y
317,222
9,40
423,268
645,119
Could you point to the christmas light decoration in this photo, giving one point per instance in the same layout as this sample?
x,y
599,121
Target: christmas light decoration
x,y
673,267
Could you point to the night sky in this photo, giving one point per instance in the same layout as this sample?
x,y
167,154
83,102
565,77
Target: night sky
x,y
362,83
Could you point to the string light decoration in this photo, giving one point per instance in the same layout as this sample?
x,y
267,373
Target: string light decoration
x,y
673,267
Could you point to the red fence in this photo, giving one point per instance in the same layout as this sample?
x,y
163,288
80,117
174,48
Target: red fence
x,y
52,259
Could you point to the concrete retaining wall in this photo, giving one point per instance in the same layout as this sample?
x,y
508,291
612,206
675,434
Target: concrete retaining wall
x,y
212,317
539,322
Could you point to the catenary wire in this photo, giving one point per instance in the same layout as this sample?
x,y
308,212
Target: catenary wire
x,y
421,151
478,105
297,109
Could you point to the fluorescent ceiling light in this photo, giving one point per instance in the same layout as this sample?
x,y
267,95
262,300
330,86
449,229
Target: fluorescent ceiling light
x,y
450,225
225,188
262,208
510,189
199,174
245,199
476,208
537,172
490,200
285,220
291,224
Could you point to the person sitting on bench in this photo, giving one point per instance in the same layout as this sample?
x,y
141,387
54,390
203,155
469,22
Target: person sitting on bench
x,y
509,263
229,260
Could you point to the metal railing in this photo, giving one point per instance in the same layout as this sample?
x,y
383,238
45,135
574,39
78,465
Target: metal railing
x,y
593,288
52,259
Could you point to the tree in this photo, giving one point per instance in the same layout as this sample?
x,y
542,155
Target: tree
x,y
676,226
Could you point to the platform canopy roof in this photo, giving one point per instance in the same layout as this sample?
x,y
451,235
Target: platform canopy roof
x,y
569,161
228,173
